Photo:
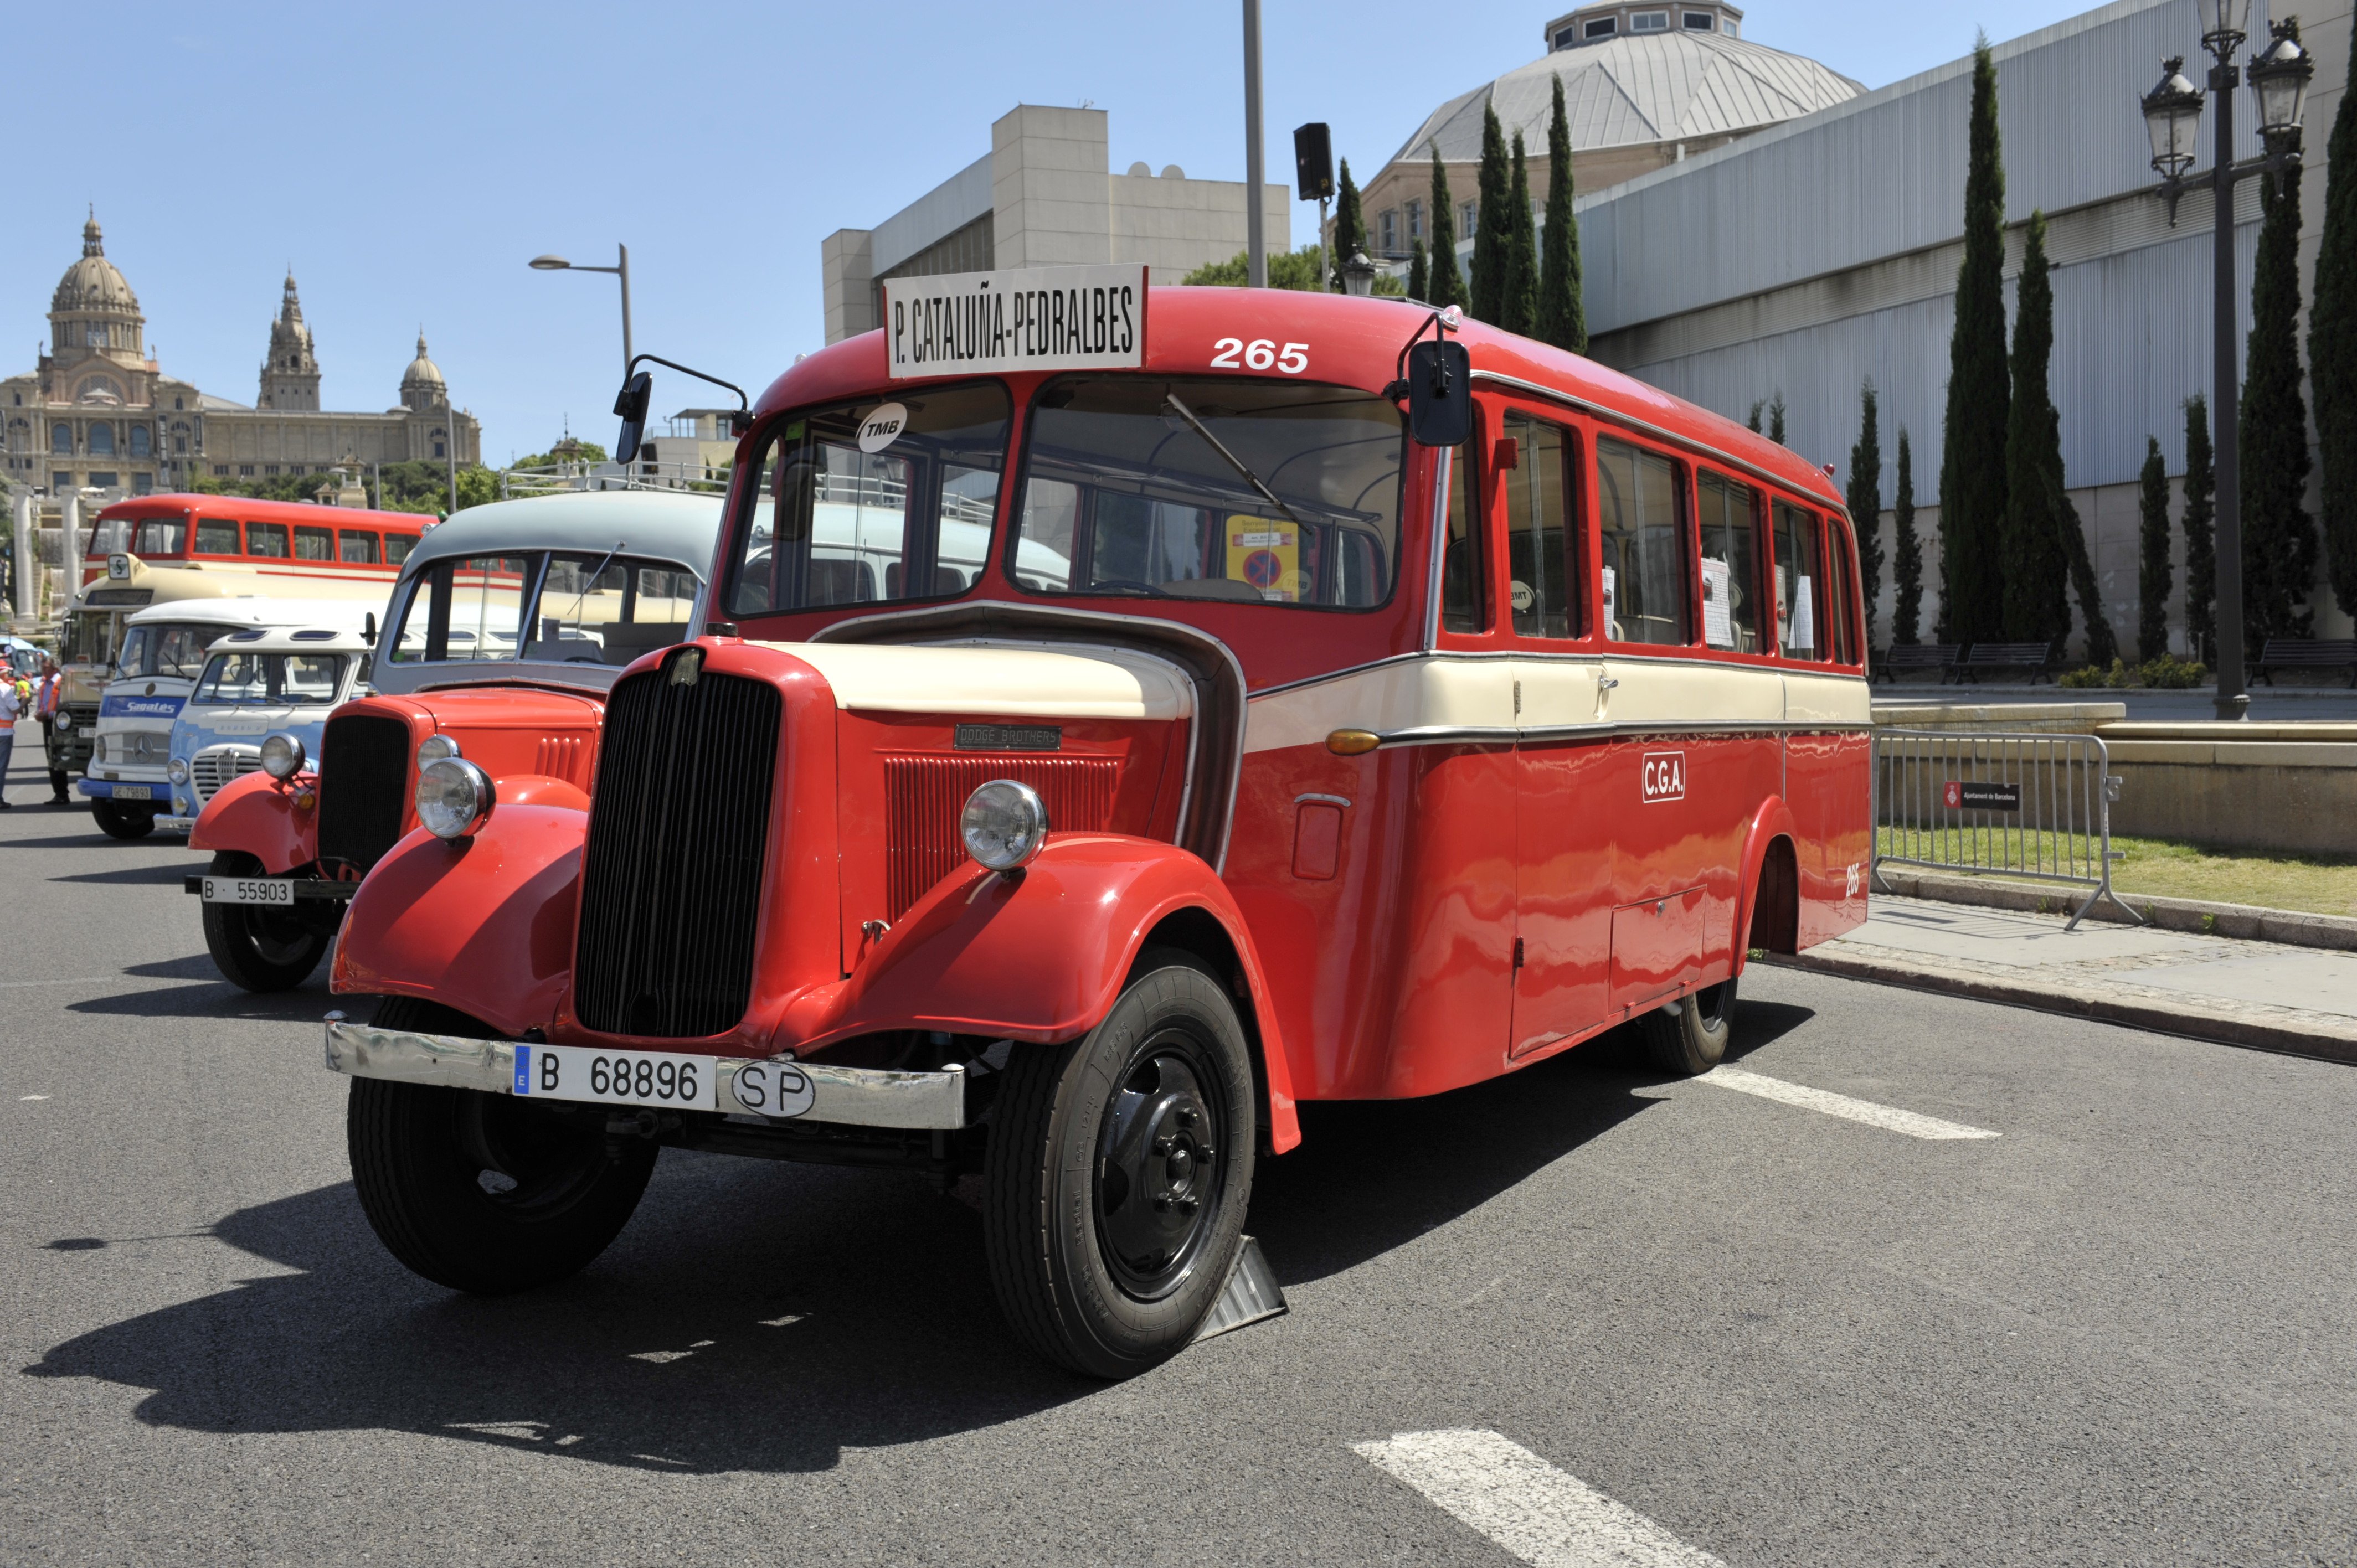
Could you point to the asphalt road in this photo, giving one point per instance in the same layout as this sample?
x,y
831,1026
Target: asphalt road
x,y
2123,1330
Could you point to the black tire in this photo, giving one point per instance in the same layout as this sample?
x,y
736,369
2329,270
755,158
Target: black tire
x,y
123,821
259,949
485,1193
1690,1037
1111,1220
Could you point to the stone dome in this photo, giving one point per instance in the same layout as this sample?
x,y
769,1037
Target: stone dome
x,y
92,284
422,384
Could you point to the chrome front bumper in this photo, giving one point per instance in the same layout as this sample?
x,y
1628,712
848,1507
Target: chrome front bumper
x,y
841,1096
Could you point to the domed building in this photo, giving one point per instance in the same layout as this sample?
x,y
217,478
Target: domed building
x,y
97,412
1643,85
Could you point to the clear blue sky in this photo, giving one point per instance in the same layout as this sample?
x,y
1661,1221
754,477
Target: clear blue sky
x,y
408,160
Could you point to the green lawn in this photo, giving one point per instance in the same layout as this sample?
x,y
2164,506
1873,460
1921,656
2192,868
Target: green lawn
x,y
2318,885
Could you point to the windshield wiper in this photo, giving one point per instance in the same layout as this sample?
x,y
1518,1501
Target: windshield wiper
x,y
1170,400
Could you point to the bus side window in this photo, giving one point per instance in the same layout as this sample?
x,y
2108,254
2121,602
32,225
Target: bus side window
x,y
1838,608
1798,601
216,536
267,539
1464,580
396,548
356,547
1730,588
314,544
1542,537
1639,503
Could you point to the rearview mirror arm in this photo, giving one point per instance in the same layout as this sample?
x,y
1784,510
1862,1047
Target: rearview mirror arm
x,y
738,423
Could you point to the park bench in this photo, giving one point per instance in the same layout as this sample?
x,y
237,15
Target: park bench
x,y
1940,656
2037,657
2305,653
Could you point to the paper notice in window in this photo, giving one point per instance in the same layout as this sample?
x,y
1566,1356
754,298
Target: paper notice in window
x,y
1267,555
1717,629
1609,610
1804,621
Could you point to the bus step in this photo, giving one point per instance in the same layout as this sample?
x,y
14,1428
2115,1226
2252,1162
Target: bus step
x,y
1252,1295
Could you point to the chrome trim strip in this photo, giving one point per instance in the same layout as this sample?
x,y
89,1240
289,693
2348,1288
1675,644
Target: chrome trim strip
x,y
1504,734
841,1096
1630,421
1342,801
1439,547
1615,653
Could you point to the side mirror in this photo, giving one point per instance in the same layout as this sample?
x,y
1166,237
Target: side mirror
x,y
1439,393
631,405
368,632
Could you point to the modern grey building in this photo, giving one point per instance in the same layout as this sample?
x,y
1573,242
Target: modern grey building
x,y
1809,256
1045,194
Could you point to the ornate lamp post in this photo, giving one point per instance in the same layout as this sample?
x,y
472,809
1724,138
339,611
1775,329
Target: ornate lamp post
x,y
2172,116
1359,274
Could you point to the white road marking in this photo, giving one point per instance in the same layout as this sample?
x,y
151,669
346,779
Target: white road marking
x,y
32,1097
1542,1515
1831,1104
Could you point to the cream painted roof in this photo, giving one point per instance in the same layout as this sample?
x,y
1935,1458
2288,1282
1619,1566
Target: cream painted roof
x,y
1030,680
1648,87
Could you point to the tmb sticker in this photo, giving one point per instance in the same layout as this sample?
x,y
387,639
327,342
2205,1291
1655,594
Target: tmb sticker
x,y
1966,796
1665,777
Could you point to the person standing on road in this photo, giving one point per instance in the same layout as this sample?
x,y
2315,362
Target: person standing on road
x,y
45,707
12,707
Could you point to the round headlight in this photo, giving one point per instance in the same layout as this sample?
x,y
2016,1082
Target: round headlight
x,y
454,796
1004,823
282,755
435,747
176,771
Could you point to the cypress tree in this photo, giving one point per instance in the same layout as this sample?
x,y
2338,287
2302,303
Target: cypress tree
x,y
1518,302
2102,646
1776,418
2333,356
1907,563
1865,499
1972,463
1447,283
2033,564
1349,227
2279,535
2198,520
1494,227
1563,315
1419,276
1752,419
2152,553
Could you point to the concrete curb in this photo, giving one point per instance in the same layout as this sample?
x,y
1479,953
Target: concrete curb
x,y
2196,917
2275,1029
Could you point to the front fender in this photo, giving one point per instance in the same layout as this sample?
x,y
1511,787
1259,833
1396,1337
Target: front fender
x,y
482,924
276,824
1039,957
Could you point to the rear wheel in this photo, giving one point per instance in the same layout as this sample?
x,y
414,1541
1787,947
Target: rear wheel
x,y
118,822
1118,1172
1690,1037
259,947
481,1192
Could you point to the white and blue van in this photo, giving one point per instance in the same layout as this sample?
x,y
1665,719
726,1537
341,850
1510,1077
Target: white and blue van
x,y
260,681
164,651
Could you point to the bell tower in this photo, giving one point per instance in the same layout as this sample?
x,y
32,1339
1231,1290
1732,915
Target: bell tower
x,y
290,376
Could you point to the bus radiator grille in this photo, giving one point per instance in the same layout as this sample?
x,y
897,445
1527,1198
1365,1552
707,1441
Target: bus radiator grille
x,y
670,882
364,787
217,765
925,795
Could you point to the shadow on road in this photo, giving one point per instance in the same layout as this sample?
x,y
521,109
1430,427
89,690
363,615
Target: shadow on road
x,y
217,999
762,1318
168,875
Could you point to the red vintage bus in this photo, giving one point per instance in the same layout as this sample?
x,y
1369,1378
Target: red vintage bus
x,y
292,544
1272,754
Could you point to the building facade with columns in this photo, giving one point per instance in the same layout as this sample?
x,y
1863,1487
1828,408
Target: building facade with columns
x,y
96,412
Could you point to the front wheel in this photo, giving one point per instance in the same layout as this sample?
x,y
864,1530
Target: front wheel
x,y
123,821
1118,1172
1689,1036
482,1192
261,948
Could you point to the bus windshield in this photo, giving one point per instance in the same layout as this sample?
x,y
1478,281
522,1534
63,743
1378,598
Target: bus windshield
x,y
271,678
166,648
1262,492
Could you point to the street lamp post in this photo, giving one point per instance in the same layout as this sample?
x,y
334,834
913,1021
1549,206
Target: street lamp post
x,y
1359,274
623,271
2172,115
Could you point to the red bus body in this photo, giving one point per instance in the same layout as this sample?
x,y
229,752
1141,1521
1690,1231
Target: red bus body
x,y
1548,837
288,545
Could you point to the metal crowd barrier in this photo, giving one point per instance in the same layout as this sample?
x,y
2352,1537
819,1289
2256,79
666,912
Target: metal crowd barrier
x,y
2031,807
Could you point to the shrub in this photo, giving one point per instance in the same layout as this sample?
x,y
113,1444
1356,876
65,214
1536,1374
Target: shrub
x,y
2088,675
2169,673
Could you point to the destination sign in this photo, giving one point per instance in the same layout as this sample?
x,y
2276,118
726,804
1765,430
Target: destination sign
x,y
1031,318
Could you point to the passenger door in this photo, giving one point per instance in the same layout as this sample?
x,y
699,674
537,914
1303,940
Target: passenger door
x,y
1564,873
